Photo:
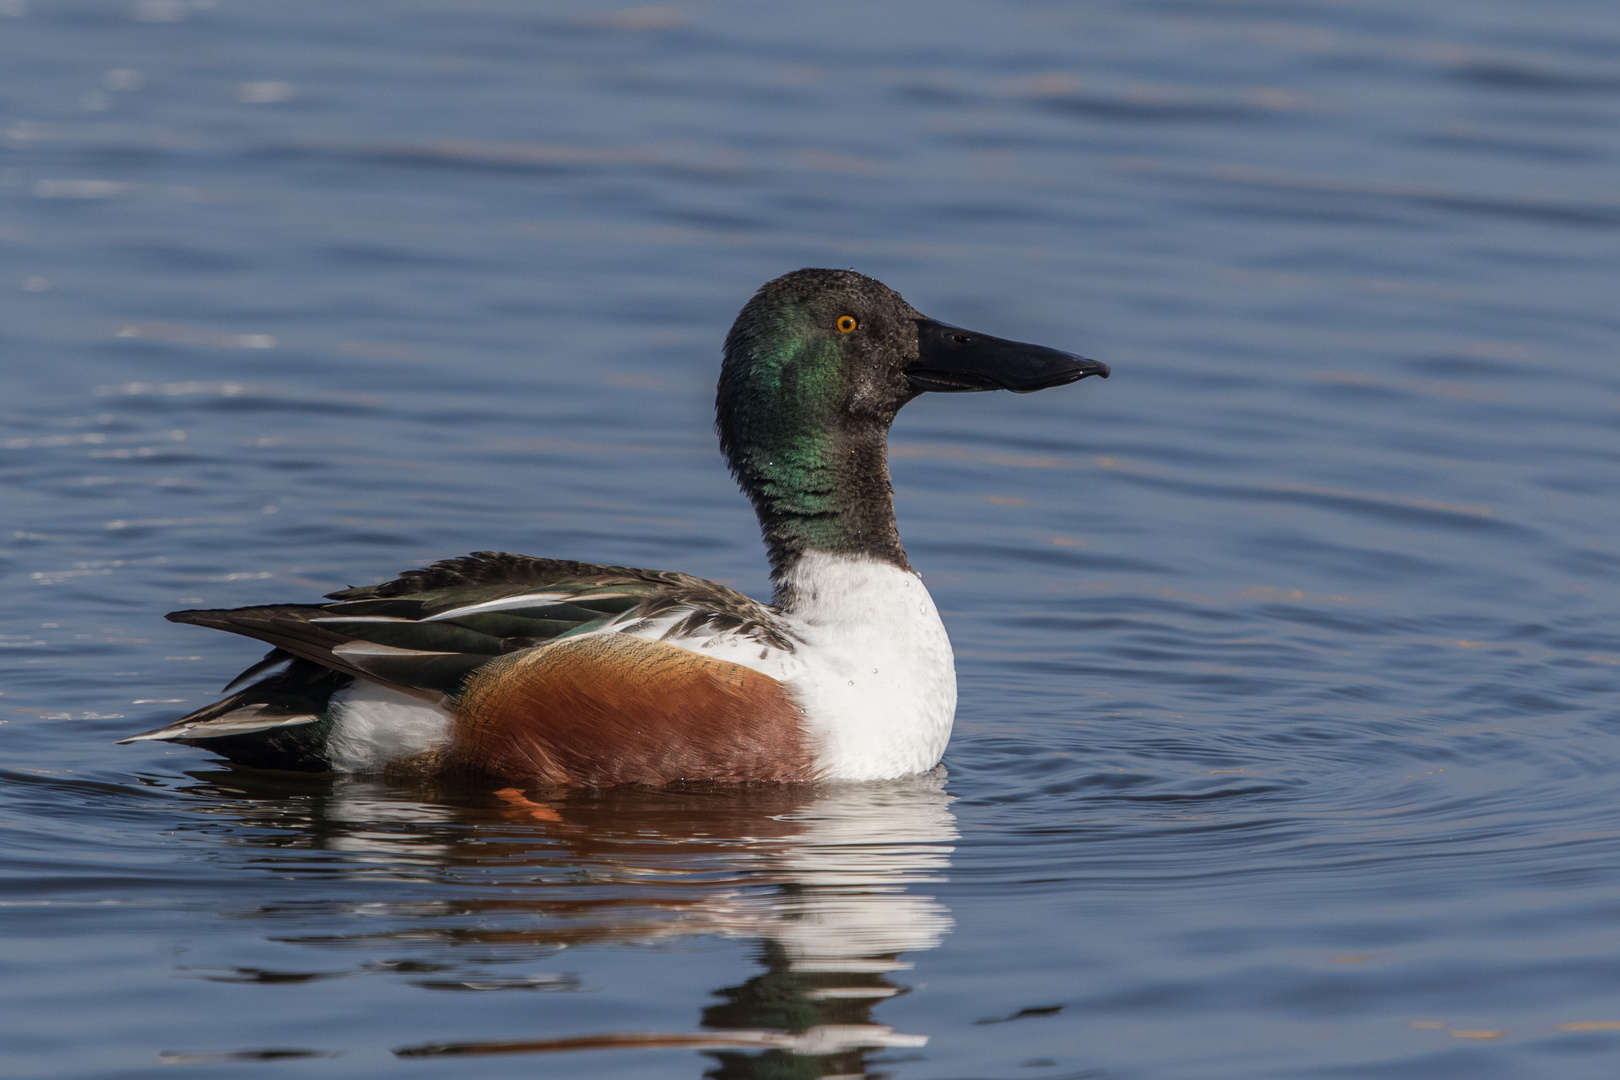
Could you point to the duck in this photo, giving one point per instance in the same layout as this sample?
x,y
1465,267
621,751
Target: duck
x,y
530,673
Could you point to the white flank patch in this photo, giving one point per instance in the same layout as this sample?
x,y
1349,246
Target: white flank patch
x,y
877,678
374,725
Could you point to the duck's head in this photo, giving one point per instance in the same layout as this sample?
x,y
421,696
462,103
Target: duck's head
x,y
816,367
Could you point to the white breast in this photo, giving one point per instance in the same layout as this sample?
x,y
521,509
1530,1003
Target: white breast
x,y
875,675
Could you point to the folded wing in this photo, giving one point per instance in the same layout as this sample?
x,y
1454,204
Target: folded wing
x,y
427,632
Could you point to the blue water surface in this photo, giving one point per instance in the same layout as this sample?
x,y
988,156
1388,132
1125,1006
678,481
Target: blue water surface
x,y
1289,736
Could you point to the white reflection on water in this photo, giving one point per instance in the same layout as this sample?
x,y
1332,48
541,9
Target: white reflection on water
x,y
823,879
863,848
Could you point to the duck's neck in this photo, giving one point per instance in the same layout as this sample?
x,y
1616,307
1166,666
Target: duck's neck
x,y
826,494
815,489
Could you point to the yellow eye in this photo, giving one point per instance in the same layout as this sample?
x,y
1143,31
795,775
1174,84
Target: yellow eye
x,y
846,323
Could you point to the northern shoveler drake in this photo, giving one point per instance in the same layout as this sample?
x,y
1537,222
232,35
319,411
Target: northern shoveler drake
x,y
534,672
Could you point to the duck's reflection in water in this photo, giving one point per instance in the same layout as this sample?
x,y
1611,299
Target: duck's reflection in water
x,y
824,878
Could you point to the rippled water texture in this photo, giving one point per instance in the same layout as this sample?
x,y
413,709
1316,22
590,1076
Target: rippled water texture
x,y
1289,738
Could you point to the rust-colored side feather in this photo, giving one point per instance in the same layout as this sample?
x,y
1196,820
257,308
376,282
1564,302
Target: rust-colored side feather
x,y
611,709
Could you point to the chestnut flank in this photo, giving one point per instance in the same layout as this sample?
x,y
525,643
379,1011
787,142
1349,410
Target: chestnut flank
x,y
610,709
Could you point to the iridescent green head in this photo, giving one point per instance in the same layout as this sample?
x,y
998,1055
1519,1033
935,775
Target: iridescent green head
x,y
816,367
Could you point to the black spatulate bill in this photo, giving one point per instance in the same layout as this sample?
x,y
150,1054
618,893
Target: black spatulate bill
x,y
955,361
